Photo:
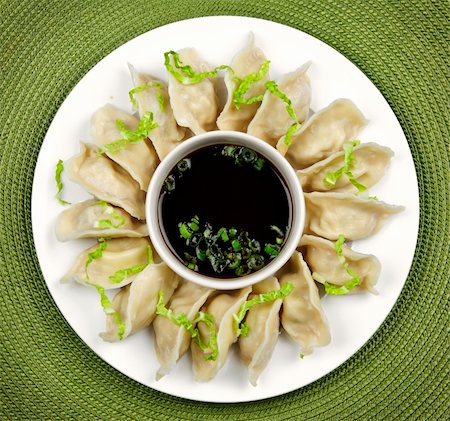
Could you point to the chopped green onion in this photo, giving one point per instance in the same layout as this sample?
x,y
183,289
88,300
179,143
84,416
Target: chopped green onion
x,y
259,164
139,89
273,88
185,231
211,348
121,274
223,234
272,249
184,165
242,328
106,223
245,84
236,245
185,74
232,232
59,184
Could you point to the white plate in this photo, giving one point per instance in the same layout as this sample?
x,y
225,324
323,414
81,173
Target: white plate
x,y
353,319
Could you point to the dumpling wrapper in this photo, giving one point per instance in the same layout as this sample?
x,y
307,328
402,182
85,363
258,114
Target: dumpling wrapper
x,y
263,321
138,159
168,134
302,316
194,106
121,253
330,214
372,160
272,121
246,61
323,134
106,180
222,307
81,221
172,341
136,302
321,257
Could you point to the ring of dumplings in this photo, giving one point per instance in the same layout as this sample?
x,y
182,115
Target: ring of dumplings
x,y
335,211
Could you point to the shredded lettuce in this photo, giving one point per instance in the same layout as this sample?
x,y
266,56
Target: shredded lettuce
x,y
185,74
107,223
121,274
210,349
349,160
104,300
139,89
59,184
245,84
146,125
242,329
273,88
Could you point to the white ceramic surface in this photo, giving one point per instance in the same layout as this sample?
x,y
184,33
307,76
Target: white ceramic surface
x,y
353,319
271,155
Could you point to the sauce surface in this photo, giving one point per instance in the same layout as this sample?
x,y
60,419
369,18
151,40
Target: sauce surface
x,y
230,188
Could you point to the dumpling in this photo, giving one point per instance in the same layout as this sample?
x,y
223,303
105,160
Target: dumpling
x,y
106,180
84,220
263,321
172,341
330,214
138,159
136,302
168,134
302,316
372,161
222,307
323,260
272,121
194,106
119,254
246,61
324,133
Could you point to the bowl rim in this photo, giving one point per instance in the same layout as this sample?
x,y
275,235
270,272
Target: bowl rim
x,y
208,139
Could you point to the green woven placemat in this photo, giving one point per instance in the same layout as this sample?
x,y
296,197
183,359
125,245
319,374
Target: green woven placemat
x,y
47,371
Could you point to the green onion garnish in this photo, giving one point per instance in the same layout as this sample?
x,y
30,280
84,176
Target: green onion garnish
x,y
242,328
59,184
272,249
211,348
245,84
243,156
121,274
349,160
106,223
139,89
146,125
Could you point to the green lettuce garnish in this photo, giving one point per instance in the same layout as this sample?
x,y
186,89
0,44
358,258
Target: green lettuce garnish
x,y
146,125
59,184
159,95
245,84
211,348
349,160
104,300
106,223
185,74
242,328
121,274
272,87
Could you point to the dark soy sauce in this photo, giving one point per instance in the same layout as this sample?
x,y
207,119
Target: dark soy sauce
x,y
224,192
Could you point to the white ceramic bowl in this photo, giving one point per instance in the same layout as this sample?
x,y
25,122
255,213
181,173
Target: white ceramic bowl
x,y
233,138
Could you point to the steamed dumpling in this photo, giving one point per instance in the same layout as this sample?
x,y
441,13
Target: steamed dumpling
x,y
121,253
136,302
246,61
263,322
302,316
323,134
330,214
272,121
194,106
222,307
106,180
138,159
323,260
168,134
83,221
371,163
172,341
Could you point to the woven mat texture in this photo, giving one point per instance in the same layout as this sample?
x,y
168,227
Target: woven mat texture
x,y
47,372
